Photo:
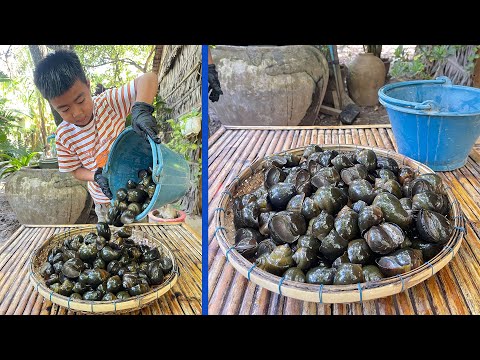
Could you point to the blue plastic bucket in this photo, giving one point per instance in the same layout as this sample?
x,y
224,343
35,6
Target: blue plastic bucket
x,y
131,153
433,121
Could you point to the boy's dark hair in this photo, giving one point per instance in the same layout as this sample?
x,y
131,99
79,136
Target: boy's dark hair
x,y
57,72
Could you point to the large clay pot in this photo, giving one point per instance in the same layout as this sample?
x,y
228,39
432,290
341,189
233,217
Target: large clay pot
x,y
269,85
47,196
366,74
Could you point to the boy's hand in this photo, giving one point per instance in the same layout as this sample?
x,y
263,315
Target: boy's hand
x,y
213,83
143,122
103,183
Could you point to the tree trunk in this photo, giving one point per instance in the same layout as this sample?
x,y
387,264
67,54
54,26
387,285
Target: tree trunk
x,y
41,110
38,53
61,47
157,58
476,72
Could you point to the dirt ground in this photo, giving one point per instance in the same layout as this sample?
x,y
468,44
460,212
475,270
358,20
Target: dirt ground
x,y
8,220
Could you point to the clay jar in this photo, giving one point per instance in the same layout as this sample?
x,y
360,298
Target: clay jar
x,y
366,75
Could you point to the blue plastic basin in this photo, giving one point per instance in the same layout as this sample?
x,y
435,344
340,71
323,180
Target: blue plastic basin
x,y
433,121
131,153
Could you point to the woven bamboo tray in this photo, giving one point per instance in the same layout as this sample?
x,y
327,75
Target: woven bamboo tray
x,y
40,254
224,232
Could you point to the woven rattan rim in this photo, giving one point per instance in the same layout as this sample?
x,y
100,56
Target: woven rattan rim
x,y
97,307
337,293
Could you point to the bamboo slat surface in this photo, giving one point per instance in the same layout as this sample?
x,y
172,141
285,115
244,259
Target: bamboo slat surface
x,y
454,289
17,296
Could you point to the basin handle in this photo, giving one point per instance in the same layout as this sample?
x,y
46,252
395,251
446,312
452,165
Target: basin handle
x,y
428,105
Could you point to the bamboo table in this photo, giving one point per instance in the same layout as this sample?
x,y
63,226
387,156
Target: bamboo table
x,y
17,296
453,290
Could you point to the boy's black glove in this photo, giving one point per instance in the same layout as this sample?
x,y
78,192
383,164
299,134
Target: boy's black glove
x,y
213,83
143,122
102,182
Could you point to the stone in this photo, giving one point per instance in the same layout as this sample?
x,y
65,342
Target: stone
x,y
47,197
269,85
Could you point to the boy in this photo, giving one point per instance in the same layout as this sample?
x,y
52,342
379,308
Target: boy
x,y
91,124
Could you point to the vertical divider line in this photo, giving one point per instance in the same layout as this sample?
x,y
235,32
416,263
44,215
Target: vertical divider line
x,y
204,179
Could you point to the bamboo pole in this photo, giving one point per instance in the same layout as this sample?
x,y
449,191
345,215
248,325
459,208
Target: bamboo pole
x,y
420,300
212,164
247,302
292,306
386,306
455,300
11,239
212,139
378,138
348,137
275,305
227,173
363,137
215,271
387,140
261,301
369,308
439,303
18,269
315,127
225,139
467,275
355,137
314,137
309,308
341,136
324,309
24,289
370,138
230,172
282,138
392,139
404,304
217,298
234,295
328,137
335,136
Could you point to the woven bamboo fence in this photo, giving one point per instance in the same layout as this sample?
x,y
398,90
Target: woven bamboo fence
x,y
455,65
180,80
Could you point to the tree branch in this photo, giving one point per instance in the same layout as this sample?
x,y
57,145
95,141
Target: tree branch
x,y
148,59
126,61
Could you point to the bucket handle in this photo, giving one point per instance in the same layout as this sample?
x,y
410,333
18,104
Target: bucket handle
x,y
157,161
428,105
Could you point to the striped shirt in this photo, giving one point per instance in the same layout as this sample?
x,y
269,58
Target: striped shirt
x,y
89,146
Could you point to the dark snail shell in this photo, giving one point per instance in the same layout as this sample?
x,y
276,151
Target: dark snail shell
x,y
433,227
384,238
372,273
368,158
321,275
286,227
348,274
294,274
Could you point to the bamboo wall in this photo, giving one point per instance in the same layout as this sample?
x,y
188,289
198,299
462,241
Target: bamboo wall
x,y
180,80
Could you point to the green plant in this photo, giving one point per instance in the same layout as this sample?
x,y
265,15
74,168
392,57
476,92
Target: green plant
x,y
404,67
13,164
161,109
182,145
472,58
